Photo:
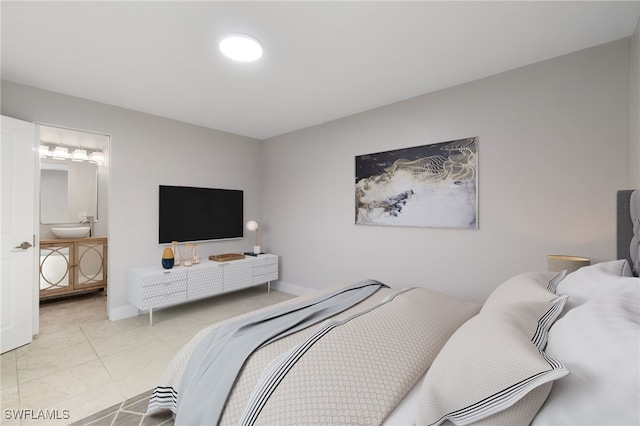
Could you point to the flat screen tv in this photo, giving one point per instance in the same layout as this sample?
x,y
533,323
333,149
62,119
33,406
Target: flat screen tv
x,y
199,214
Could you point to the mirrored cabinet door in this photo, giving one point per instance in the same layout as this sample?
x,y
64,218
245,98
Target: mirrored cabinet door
x,y
91,263
55,268
72,266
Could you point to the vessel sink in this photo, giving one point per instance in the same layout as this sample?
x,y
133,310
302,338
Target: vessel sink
x,y
74,232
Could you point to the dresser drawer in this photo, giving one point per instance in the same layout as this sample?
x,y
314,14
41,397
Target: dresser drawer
x,y
265,260
163,277
164,299
164,287
265,269
263,278
146,284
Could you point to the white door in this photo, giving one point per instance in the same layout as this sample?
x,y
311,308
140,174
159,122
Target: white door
x,y
17,236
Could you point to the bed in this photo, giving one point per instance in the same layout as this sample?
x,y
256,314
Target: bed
x,y
545,348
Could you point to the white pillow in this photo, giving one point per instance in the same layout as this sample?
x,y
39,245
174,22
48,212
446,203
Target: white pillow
x,y
530,286
596,281
492,362
599,342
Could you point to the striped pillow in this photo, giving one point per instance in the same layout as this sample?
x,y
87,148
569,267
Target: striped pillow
x,y
527,287
490,364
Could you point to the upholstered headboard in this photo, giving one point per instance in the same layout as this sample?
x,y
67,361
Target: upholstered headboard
x,y
629,227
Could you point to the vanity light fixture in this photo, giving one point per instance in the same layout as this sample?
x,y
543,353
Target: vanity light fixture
x,y
60,153
45,151
97,156
241,47
80,155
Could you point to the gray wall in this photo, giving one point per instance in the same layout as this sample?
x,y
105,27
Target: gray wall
x,y
553,150
147,151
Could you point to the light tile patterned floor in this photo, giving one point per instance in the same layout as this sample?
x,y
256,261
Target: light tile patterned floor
x,y
129,412
82,363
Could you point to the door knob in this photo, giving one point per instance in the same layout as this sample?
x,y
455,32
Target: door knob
x,y
25,245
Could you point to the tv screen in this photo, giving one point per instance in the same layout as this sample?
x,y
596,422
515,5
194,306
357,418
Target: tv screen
x,y
199,214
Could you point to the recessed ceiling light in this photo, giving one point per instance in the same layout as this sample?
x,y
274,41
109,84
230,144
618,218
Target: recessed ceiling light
x,y
240,47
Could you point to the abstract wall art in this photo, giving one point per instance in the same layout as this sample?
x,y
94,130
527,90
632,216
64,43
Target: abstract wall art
x,y
433,185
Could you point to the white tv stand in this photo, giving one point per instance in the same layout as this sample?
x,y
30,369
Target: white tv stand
x,y
153,287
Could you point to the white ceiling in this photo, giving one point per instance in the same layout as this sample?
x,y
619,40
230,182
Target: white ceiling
x,y
322,60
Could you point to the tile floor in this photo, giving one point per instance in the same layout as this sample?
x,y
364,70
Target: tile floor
x,y
83,363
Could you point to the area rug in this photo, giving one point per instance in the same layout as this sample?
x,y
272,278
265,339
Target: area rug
x,y
128,413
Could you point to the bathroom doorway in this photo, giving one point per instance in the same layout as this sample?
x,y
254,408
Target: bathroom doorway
x,y
73,186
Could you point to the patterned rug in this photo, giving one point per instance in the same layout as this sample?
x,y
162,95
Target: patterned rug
x,y
127,413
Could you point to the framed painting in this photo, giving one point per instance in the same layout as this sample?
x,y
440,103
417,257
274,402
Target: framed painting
x,y
432,185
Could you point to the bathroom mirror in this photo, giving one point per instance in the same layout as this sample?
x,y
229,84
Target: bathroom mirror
x,y
68,191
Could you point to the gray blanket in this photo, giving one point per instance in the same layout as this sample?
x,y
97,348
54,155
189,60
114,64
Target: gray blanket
x,y
217,360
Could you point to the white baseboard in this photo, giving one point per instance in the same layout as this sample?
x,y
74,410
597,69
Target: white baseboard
x,y
122,312
291,288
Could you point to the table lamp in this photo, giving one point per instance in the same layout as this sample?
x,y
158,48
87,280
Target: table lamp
x,y
252,225
560,262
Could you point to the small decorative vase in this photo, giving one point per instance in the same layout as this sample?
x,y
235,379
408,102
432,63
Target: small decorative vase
x,y
176,253
188,255
167,258
196,255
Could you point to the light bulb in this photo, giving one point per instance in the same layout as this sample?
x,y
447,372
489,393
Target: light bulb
x,y
240,47
79,155
60,153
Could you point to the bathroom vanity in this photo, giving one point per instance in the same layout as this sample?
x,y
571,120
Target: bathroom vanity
x,y
72,266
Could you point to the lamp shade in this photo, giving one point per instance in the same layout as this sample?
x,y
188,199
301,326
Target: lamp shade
x,y
560,262
252,225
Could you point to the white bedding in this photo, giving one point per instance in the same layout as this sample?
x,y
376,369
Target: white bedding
x,y
379,356
606,339
405,412
597,339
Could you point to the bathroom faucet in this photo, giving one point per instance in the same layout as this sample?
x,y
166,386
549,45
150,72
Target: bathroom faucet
x,y
89,220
